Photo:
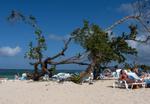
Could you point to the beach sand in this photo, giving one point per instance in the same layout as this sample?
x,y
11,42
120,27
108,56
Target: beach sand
x,y
101,92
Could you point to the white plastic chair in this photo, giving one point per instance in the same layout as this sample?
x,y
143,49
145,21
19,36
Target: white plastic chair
x,y
3,80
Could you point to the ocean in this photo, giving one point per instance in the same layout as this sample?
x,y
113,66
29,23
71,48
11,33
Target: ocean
x,y
9,73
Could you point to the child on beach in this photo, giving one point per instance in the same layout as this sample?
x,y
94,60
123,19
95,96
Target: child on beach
x,y
16,76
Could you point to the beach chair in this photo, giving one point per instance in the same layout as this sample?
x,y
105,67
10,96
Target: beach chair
x,y
45,77
120,84
136,77
88,79
61,77
123,83
3,80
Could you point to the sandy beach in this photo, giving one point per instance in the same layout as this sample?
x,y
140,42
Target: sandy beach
x,y
101,92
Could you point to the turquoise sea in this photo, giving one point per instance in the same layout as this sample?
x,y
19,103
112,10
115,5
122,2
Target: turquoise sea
x,y
9,73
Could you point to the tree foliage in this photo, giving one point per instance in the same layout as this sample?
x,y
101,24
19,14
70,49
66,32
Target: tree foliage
x,y
36,52
96,41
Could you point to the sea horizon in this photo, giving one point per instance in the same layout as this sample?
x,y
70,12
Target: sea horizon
x,y
9,73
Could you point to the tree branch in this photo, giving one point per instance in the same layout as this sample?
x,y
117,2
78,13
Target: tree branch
x,y
71,60
61,53
121,21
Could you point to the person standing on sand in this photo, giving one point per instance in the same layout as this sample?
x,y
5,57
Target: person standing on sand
x,y
16,77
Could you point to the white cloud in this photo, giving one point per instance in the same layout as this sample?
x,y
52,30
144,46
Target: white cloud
x,y
143,51
8,51
126,8
133,7
132,43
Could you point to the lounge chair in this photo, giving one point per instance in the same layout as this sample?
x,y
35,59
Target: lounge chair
x,y
3,80
88,79
60,77
133,76
120,84
123,84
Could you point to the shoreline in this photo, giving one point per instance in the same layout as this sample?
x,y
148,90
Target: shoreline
x,y
10,73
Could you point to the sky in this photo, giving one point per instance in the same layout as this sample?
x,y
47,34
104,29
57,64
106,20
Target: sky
x,y
57,19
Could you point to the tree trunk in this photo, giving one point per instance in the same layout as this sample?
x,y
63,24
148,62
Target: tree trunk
x,y
36,75
96,71
89,70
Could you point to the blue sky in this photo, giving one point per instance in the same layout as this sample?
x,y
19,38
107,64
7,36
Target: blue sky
x,y
57,19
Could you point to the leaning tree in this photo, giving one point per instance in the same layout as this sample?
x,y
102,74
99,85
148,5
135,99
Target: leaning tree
x,y
99,47
35,52
103,49
141,16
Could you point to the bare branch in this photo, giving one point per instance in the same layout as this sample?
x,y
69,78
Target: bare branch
x,y
141,15
71,60
121,21
62,52
144,25
16,15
